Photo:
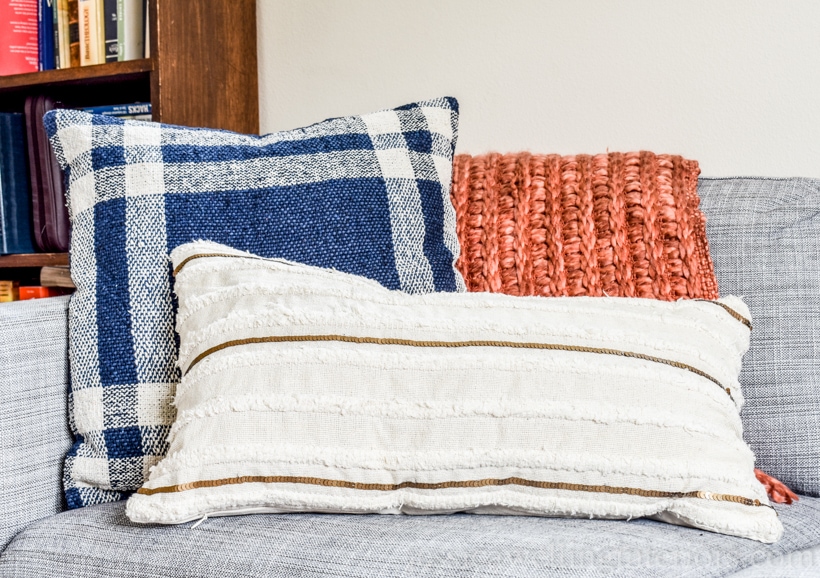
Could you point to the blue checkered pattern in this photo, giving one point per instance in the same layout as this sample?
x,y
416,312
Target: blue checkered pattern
x,y
368,195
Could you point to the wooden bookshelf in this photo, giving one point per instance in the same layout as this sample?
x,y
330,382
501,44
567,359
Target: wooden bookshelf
x,y
33,260
205,71
202,72
85,75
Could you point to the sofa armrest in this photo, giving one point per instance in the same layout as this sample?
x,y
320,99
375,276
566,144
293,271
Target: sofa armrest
x,y
34,431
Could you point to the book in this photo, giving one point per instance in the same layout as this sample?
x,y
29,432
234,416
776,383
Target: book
x,y
45,34
63,35
110,15
100,31
9,291
56,277
121,110
130,29
48,200
147,51
89,32
15,192
73,32
38,292
19,48
55,34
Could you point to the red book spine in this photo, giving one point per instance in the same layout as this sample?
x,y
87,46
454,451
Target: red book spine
x,y
18,36
40,292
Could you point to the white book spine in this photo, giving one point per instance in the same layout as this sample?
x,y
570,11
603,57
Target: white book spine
x,y
62,33
133,41
89,33
147,51
100,31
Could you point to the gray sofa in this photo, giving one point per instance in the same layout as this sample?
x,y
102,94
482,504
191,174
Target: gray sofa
x,y
765,240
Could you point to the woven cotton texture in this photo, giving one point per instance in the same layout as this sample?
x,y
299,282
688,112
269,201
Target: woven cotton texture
x,y
367,194
101,541
623,225
765,239
306,389
34,434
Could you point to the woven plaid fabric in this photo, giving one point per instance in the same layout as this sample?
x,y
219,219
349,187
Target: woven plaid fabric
x,y
367,195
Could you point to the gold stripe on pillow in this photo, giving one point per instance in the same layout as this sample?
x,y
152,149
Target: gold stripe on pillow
x,y
514,481
473,343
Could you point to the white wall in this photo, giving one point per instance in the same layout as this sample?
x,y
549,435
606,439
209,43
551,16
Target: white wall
x,y
734,84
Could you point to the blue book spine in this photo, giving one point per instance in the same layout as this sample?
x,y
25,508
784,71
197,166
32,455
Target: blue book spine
x,y
3,241
120,109
15,192
45,34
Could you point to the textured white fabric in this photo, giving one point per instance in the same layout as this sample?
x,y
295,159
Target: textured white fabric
x,y
649,404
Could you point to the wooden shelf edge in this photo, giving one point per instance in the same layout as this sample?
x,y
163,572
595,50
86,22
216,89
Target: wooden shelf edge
x,y
77,74
33,260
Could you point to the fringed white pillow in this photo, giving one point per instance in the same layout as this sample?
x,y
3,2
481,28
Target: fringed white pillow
x,y
307,389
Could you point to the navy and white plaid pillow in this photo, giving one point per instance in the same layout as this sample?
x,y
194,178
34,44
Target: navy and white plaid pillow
x,y
368,195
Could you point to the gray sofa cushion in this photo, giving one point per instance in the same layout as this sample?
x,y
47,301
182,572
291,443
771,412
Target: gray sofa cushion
x,y
100,541
800,564
764,236
34,435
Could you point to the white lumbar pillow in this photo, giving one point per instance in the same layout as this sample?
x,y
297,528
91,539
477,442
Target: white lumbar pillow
x,y
306,389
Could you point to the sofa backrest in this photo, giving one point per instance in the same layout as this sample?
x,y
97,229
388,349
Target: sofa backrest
x,y
764,236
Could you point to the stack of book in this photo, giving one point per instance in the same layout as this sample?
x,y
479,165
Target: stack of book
x,y
30,185
16,234
48,34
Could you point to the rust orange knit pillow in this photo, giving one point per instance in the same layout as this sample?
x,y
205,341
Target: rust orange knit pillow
x,y
618,224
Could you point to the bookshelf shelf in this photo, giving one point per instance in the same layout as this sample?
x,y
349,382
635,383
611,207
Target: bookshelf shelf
x,y
100,73
22,261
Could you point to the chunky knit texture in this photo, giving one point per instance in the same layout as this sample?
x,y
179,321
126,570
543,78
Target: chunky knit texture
x,y
617,224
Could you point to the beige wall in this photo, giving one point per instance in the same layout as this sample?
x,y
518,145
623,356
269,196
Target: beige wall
x,y
732,83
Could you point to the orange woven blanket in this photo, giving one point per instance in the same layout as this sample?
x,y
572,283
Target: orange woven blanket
x,y
618,224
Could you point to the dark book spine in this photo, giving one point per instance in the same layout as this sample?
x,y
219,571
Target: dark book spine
x,y
110,15
55,31
74,32
3,184
45,34
16,193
